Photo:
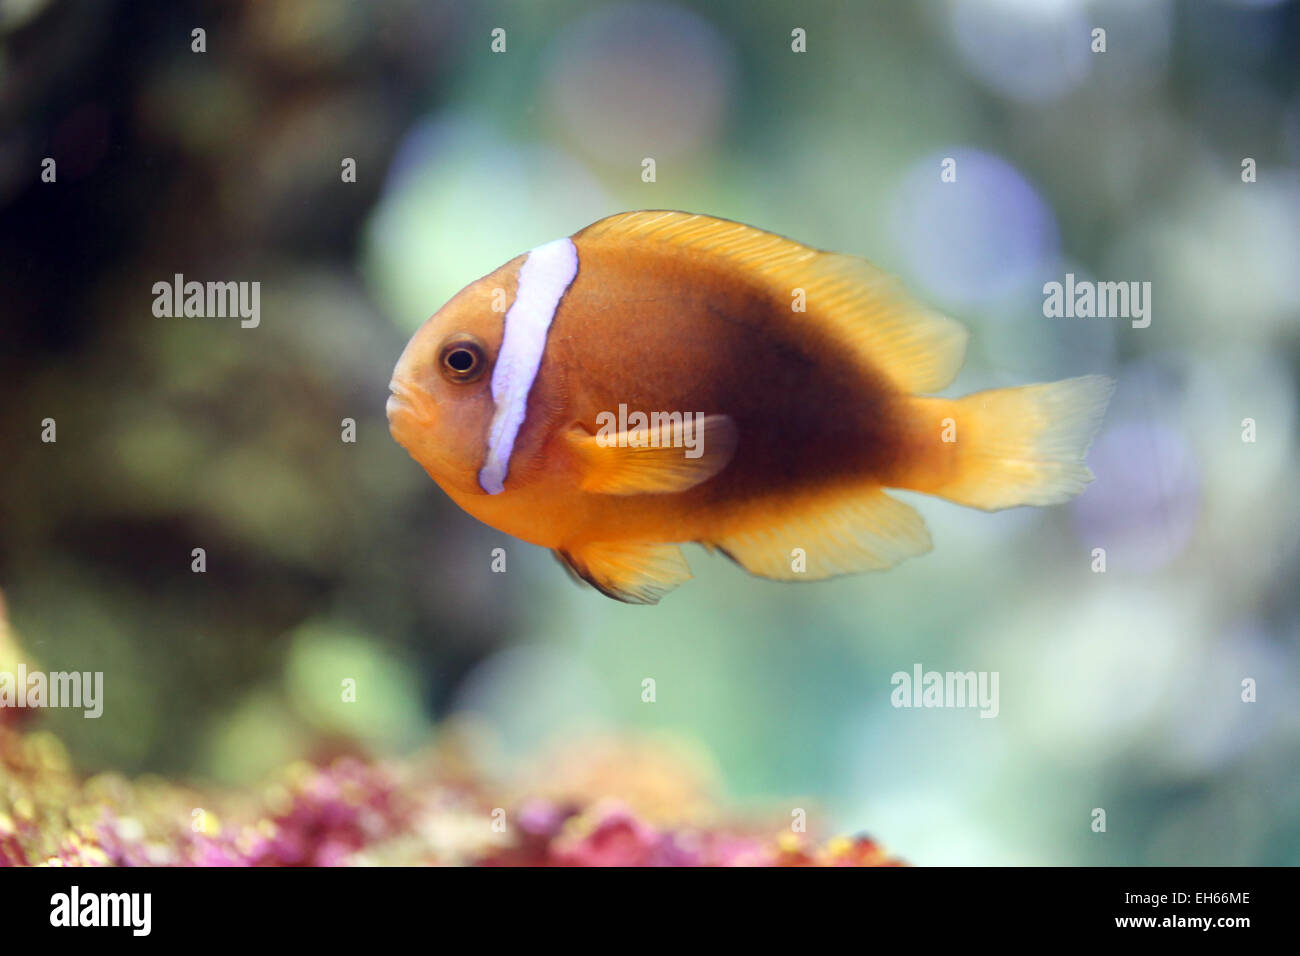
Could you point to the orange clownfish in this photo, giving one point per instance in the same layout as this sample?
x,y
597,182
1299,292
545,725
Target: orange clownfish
x,y
661,378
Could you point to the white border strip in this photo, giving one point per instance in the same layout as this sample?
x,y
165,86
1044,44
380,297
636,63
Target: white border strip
x,y
543,279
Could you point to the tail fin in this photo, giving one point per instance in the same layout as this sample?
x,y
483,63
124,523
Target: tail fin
x,y
1026,445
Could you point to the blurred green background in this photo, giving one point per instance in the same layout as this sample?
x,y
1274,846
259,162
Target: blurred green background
x,y
328,559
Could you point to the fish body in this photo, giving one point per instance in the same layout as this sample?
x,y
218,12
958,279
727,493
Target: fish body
x,y
662,377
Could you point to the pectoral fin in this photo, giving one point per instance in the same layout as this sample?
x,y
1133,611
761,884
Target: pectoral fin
x,y
628,463
634,573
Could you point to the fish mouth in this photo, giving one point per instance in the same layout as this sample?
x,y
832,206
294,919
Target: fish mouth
x,y
408,402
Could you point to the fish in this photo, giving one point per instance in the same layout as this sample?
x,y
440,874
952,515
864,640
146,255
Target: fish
x,y
662,377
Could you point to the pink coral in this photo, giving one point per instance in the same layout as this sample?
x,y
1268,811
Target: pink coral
x,y
352,811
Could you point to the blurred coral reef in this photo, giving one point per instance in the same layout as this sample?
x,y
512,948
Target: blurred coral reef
x,y
595,801
421,811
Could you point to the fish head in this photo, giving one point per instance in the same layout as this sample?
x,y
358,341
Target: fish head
x,y
440,405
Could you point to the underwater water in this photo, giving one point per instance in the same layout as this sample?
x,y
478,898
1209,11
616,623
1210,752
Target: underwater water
x,y
285,624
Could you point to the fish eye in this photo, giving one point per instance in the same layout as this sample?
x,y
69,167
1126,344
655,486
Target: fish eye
x,y
462,358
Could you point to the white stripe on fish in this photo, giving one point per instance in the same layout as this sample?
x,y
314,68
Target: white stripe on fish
x,y
543,279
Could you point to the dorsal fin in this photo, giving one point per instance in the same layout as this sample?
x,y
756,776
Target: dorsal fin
x,y
916,348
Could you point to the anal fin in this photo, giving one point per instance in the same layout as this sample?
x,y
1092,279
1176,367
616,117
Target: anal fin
x,y
631,572
863,531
